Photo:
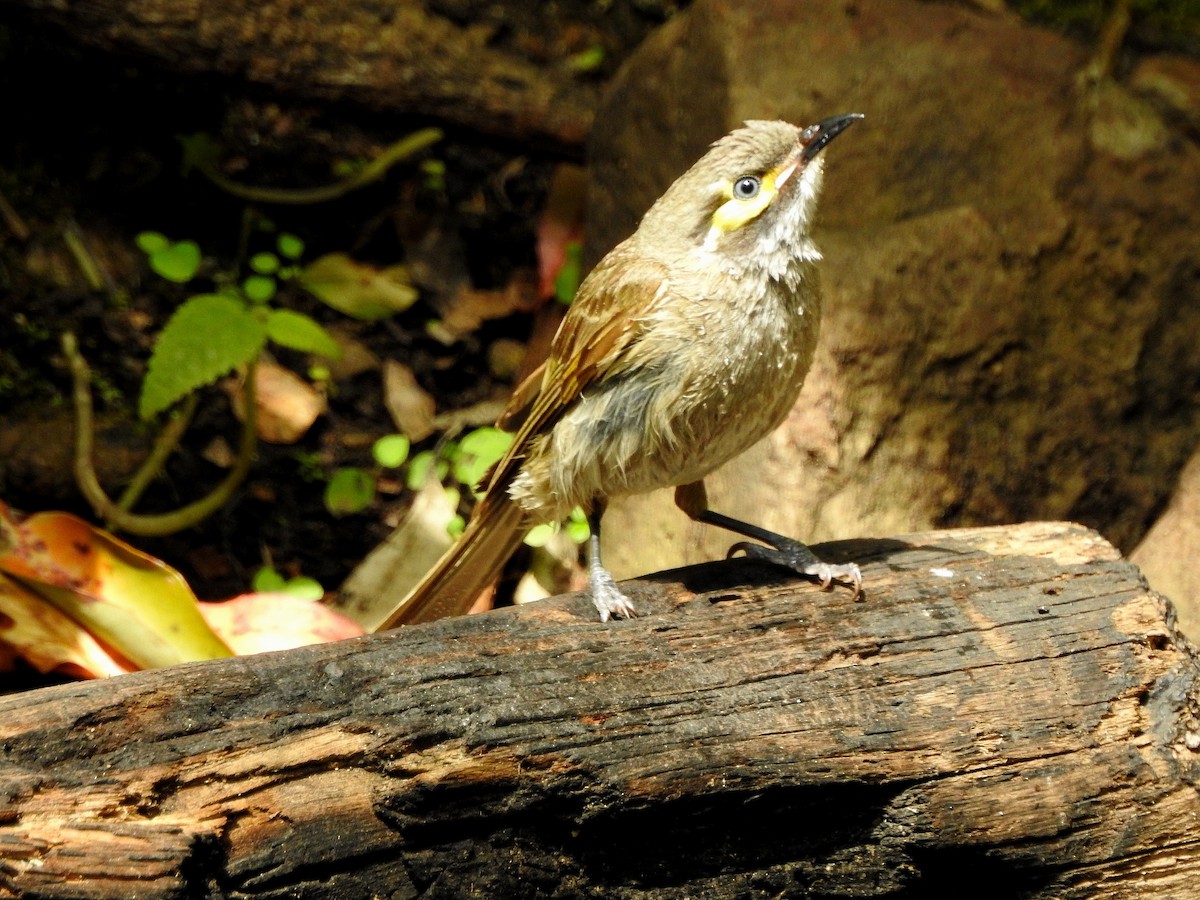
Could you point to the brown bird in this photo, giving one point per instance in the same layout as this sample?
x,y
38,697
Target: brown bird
x,y
685,345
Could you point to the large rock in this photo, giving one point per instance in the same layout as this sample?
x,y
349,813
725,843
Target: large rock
x,y
1011,275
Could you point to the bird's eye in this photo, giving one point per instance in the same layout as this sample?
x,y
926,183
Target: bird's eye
x,y
746,187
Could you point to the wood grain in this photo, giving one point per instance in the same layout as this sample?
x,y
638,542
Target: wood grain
x,y
1010,700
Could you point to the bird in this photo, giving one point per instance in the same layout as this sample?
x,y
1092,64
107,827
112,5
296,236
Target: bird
x,y
686,344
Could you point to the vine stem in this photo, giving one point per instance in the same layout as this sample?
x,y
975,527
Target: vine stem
x,y
376,168
114,514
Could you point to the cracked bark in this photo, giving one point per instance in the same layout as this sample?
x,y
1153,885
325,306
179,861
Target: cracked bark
x,y
1009,709
397,57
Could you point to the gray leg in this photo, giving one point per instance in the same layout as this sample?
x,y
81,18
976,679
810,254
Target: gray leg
x,y
606,596
780,550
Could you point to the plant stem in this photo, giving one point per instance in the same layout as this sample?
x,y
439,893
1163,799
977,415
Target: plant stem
x,y
164,445
375,169
113,514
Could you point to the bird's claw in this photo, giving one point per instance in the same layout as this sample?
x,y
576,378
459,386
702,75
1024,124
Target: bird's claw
x,y
799,558
607,597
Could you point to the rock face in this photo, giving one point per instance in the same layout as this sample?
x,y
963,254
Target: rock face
x,y
1011,274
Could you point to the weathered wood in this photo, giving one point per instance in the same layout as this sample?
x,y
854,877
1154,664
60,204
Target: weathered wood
x,y
395,57
1011,700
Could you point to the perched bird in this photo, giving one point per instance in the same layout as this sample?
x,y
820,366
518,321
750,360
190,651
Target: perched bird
x,y
685,345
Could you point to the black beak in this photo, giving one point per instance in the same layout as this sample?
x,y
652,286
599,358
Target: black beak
x,y
814,138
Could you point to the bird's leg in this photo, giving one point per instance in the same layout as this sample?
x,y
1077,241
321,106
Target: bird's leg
x,y
606,596
780,550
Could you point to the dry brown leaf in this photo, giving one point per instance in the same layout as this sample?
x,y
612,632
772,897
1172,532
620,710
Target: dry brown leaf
x,y
410,405
389,571
287,404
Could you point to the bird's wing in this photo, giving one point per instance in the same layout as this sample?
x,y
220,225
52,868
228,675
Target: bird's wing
x,y
605,320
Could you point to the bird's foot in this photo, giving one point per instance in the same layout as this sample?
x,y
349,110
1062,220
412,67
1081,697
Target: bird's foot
x,y
607,597
796,556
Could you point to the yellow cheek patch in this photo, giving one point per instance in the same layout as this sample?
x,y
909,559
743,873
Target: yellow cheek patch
x,y
734,213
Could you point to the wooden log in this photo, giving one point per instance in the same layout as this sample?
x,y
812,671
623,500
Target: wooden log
x,y
1007,712
395,57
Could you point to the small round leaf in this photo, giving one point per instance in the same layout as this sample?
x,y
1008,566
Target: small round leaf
x,y
264,263
258,288
349,491
391,450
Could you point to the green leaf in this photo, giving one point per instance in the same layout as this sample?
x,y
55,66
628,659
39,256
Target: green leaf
x,y
151,242
539,534
356,289
264,263
177,262
434,171
209,335
304,588
391,450
566,282
349,491
290,246
267,579
456,526
258,288
578,529
477,452
588,60
200,151
419,466
299,332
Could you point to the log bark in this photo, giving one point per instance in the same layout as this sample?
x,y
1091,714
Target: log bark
x,y
1007,712
396,57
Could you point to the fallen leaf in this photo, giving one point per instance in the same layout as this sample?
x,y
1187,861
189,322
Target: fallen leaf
x,y
357,289
389,571
262,622
287,404
35,631
410,405
132,602
470,307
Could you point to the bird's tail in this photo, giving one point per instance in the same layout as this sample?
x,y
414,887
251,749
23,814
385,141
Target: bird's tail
x,y
474,561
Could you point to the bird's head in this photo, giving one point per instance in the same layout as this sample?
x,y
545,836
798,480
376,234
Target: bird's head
x,y
750,199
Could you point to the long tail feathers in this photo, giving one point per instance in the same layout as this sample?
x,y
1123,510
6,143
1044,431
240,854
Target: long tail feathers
x,y
467,568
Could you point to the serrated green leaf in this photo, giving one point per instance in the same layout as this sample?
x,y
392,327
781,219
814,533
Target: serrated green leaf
x,y
264,263
391,450
209,335
151,241
258,288
290,246
177,262
299,332
350,490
